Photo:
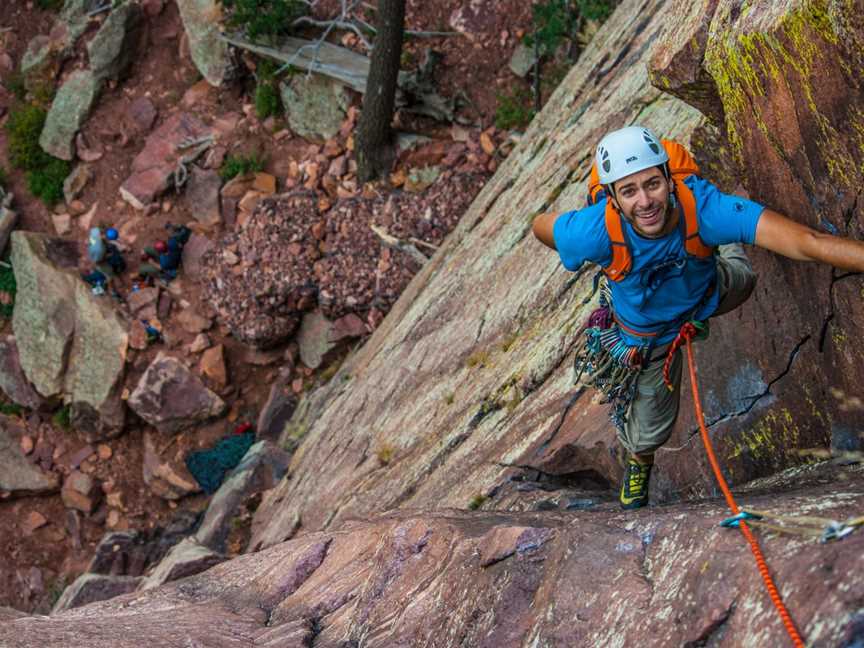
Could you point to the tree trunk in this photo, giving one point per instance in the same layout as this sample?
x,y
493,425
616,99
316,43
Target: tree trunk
x,y
374,146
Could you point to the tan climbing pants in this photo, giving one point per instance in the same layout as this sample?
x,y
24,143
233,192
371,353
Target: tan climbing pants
x,y
654,409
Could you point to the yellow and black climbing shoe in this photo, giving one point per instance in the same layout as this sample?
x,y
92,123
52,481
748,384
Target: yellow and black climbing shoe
x,y
634,485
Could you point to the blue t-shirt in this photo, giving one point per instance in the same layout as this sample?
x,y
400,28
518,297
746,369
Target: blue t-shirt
x,y
665,284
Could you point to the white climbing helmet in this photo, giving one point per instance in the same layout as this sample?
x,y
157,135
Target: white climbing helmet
x,y
627,151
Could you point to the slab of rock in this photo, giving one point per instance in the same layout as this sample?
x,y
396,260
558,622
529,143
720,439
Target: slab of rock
x,y
213,365
348,327
17,474
167,478
13,382
186,559
62,223
276,412
69,110
502,542
80,492
89,588
315,105
71,344
76,181
46,52
153,168
113,48
315,339
263,465
193,322
34,520
141,115
424,569
523,60
193,251
201,195
10,614
142,302
200,343
171,398
8,218
201,20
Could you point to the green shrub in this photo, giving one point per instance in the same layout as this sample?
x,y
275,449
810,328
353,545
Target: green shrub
x,y
514,109
47,182
50,5
11,409
8,289
14,83
557,21
24,127
63,417
596,9
235,165
263,19
45,173
554,22
476,502
267,101
4,178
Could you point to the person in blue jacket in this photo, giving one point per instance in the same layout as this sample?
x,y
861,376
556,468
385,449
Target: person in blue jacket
x,y
643,234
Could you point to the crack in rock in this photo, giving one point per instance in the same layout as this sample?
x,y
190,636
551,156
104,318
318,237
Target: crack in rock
x,y
755,398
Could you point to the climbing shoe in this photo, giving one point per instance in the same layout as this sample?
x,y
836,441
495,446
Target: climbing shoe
x,y
634,485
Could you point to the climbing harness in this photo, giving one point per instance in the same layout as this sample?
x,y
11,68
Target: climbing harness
x,y
740,518
610,365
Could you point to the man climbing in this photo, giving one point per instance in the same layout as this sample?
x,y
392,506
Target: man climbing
x,y
670,247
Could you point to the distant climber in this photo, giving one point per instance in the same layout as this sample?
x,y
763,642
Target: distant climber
x,y
669,244
107,259
168,254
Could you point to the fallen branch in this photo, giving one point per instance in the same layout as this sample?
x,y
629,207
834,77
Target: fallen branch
x,y
398,244
417,241
306,20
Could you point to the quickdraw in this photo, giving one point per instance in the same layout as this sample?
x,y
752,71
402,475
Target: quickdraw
x,y
609,365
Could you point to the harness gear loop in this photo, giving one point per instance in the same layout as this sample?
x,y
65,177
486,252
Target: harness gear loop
x,y
686,336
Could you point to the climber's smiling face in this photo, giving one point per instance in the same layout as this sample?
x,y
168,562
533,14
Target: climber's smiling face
x,y
643,199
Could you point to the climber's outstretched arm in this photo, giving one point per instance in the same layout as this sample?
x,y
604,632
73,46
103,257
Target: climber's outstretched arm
x,y
542,228
779,234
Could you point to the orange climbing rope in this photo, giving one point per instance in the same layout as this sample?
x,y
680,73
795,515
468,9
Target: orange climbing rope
x,y
686,335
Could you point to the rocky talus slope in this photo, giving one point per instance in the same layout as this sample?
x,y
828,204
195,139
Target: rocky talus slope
x,y
463,397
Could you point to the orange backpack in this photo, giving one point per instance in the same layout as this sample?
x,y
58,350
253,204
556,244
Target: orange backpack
x,y
681,165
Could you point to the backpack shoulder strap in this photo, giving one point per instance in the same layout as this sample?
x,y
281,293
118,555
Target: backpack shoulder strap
x,y
595,190
681,163
692,242
622,261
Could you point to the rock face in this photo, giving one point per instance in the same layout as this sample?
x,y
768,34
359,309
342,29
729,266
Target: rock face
x,y
112,49
471,373
209,52
71,344
153,168
171,398
13,382
202,196
503,580
69,110
187,558
262,467
89,588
